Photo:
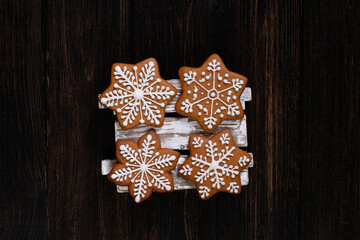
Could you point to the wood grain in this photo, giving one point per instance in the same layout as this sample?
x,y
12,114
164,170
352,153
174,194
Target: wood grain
x,y
302,59
23,193
82,37
175,132
330,134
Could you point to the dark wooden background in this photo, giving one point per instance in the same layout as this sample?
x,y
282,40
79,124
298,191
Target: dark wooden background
x,y
302,59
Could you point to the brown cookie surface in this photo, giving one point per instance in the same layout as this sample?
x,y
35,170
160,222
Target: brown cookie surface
x,y
215,164
210,93
144,166
138,94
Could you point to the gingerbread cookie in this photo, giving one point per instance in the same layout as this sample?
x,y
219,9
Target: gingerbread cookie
x,y
138,94
144,166
215,164
210,93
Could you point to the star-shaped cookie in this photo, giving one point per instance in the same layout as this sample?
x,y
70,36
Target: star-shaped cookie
x,y
144,166
211,93
138,94
215,164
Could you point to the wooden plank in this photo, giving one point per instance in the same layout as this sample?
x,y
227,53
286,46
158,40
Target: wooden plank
x,y
180,183
175,132
23,179
330,191
170,108
85,38
273,43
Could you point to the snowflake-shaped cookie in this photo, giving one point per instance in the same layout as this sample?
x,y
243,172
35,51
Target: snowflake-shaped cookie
x,y
211,93
215,164
138,94
144,166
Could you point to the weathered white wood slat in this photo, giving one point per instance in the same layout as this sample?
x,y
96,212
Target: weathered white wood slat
x,y
170,108
175,132
180,183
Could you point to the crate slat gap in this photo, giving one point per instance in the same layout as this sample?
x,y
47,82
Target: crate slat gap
x,y
178,140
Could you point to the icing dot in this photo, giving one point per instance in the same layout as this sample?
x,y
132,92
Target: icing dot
x,y
142,120
208,84
149,137
128,88
118,110
199,113
188,92
219,85
203,73
151,63
226,75
221,115
143,167
222,95
202,93
135,68
213,94
138,94
234,97
103,100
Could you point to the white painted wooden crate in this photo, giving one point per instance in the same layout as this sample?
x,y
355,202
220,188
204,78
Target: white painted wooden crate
x,y
175,133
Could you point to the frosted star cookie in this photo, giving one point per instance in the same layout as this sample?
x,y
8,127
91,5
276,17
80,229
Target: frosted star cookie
x,y
144,166
138,94
215,164
210,93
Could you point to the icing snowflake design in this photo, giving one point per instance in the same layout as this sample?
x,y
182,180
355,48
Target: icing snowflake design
x,y
217,167
138,94
215,164
211,93
144,168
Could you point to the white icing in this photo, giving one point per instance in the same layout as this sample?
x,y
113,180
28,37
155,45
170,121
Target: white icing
x,y
204,191
197,142
228,107
243,161
225,139
186,170
138,95
214,165
233,187
144,168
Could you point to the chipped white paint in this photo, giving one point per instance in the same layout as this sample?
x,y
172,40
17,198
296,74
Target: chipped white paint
x,y
175,132
180,183
170,108
175,135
